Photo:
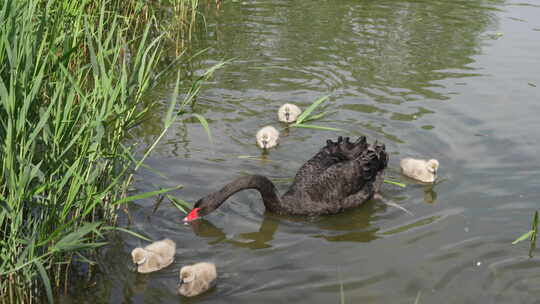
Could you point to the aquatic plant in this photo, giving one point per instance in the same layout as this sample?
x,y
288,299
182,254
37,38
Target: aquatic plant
x,y
531,234
72,79
306,116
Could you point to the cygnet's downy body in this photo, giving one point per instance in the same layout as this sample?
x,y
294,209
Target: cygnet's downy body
x,y
155,256
196,279
288,113
419,169
267,137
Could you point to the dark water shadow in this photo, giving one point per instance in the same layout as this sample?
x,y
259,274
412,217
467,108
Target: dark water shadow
x,y
339,228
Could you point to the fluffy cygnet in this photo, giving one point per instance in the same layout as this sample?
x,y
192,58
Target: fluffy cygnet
x,y
267,137
196,279
155,256
419,169
289,113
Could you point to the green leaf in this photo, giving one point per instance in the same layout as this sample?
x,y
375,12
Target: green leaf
x,y
395,183
85,259
297,125
310,109
76,239
135,234
45,279
169,118
523,237
246,156
4,206
341,290
317,116
534,229
146,195
205,125
531,233
417,301
181,205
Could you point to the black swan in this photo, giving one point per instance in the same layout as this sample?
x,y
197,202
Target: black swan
x,y
340,176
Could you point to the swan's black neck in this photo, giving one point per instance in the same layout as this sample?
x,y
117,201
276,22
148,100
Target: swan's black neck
x,y
261,183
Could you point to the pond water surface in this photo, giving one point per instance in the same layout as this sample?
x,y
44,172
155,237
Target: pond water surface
x,y
455,80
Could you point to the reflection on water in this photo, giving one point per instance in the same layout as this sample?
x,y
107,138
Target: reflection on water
x,y
256,240
426,78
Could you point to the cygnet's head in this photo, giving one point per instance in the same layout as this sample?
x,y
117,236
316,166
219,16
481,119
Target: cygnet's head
x,y
288,113
267,137
432,166
187,275
139,256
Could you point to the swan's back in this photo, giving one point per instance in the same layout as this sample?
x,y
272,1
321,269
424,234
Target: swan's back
x,y
341,175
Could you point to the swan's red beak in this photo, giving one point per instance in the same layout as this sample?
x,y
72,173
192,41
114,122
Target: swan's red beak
x,y
193,215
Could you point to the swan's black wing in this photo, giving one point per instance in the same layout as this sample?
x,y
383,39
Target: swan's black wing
x,y
340,176
331,154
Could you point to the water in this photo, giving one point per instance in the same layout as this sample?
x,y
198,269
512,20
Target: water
x,y
454,80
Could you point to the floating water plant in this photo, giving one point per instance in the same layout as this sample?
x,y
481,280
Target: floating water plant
x,y
391,182
531,234
306,116
180,204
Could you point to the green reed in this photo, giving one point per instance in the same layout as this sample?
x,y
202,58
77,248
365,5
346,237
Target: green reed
x,y
306,116
72,77
531,234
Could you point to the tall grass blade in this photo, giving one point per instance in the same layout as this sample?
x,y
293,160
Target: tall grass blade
x,y
135,234
317,116
310,109
391,182
297,125
535,228
532,234
341,290
45,279
181,205
75,240
205,125
5,207
417,300
68,100
169,120
523,237
145,195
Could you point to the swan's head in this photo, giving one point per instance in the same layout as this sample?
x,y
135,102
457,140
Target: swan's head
x,y
138,256
187,275
288,113
432,166
267,137
185,286
201,208
193,215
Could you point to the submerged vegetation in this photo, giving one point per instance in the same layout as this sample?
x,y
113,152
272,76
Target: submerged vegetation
x,y
72,79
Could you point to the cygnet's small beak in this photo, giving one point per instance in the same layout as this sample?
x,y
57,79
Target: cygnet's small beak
x,y
287,114
180,283
133,267
265,143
